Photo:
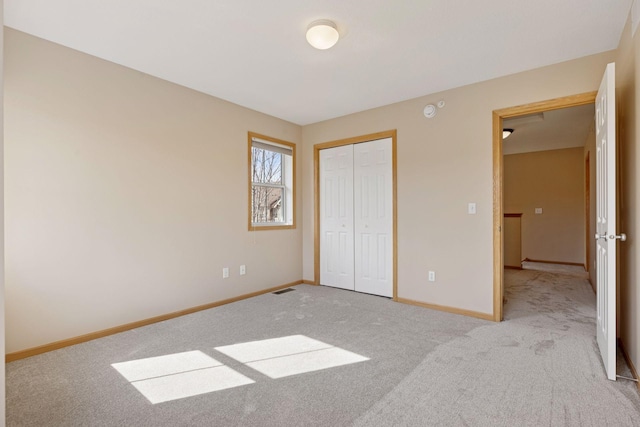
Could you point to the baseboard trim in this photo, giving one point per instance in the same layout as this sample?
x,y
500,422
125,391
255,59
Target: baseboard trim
x,y
23,354
554,262
469,313
633,369
512,267
309,282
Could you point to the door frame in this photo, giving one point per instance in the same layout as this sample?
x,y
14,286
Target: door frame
x,y
498,172
316,195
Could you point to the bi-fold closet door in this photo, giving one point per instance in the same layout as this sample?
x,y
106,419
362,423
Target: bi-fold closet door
x,y
356,217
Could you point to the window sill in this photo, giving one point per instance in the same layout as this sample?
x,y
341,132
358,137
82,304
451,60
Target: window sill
x,y
262,227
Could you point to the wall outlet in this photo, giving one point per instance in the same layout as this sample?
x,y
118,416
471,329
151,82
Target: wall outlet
x,y
432,276
243,270
538,211
225,273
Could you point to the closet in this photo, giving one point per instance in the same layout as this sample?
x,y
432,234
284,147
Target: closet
x,y
356,217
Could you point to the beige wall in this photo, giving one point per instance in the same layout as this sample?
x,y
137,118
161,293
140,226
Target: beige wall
x,y
554,181
627,87
443,164
125,196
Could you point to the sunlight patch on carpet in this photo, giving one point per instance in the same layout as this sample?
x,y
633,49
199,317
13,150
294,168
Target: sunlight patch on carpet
x,y
176,376
179,375
142,369
193,383
292,355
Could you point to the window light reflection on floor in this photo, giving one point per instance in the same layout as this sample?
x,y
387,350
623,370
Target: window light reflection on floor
x,y
180,375
292,355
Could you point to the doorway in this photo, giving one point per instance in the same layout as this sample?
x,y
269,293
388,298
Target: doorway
x,y
321,223
498,183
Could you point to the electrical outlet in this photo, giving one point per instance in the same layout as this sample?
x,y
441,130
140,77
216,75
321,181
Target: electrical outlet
x,y
432,276
243,270
225,273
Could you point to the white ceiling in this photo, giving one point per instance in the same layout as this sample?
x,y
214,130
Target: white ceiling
x,y
254,52
551,130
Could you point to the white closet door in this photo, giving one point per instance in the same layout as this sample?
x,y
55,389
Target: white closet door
x,y
336,217
373,210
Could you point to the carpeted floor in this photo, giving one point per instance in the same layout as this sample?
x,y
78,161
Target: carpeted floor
x,y
417,367
539,367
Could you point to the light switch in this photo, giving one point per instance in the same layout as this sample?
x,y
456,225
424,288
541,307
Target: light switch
x,y
538,211
471,209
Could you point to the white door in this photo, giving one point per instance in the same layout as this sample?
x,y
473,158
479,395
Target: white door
x,y
336,217
373,210
606,220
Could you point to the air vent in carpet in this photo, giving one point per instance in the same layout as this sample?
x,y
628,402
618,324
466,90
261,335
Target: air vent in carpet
x,y
283,291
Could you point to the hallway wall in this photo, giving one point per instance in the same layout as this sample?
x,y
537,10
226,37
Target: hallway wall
x,y
554,181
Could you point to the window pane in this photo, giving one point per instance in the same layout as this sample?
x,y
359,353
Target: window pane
x,y
271,182
266,166
267,204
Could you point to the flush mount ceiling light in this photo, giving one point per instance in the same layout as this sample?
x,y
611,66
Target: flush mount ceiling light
x,y
506,133
322,34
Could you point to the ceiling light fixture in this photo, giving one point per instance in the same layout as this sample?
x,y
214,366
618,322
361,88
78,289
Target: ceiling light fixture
x,y
322,34
506,133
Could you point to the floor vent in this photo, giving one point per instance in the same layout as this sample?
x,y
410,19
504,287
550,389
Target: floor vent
x,y
283,291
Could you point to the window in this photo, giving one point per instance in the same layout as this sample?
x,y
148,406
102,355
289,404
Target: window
x,y
271,183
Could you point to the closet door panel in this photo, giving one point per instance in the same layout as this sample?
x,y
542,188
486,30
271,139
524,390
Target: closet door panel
x,y
336,217
373,213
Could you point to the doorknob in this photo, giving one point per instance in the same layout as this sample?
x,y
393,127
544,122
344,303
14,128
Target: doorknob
x,y
622,237
601,236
